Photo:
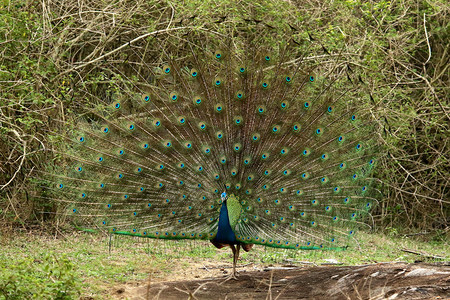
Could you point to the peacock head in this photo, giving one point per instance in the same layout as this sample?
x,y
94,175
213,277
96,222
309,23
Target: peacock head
x,y
224,197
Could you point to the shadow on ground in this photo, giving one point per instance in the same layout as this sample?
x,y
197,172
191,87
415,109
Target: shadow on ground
x,y
379,281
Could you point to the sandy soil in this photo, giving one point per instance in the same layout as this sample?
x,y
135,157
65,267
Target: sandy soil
x,y
378,281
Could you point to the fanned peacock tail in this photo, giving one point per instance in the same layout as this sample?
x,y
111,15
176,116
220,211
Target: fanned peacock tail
x,y
289,138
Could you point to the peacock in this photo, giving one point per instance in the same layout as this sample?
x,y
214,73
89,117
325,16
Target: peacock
x,y
223,139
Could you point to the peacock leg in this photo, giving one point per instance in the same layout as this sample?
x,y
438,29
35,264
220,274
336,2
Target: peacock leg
x,y
235,256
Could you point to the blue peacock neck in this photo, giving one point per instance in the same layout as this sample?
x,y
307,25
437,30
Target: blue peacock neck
x,y
225,233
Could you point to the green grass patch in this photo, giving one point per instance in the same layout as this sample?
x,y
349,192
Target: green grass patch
x,y
80,264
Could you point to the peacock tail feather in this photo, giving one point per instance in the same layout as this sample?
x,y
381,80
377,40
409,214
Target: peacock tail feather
x,y
289,138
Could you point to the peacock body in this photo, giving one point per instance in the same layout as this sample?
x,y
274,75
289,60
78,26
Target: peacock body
x,y
237,144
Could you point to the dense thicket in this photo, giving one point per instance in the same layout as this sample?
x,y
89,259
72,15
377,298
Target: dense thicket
x,y
50,47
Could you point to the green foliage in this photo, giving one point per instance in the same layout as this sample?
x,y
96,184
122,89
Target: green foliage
x,y
47,59
50,278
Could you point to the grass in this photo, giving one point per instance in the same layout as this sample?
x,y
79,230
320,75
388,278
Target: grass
x,y
94,271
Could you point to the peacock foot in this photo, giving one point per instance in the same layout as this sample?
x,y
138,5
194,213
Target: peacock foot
x,y
232,276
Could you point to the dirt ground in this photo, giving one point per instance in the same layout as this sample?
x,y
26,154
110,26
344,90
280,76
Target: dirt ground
x,y
378,281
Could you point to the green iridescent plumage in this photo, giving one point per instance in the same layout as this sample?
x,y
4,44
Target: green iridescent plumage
x,y
289,139
235,209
